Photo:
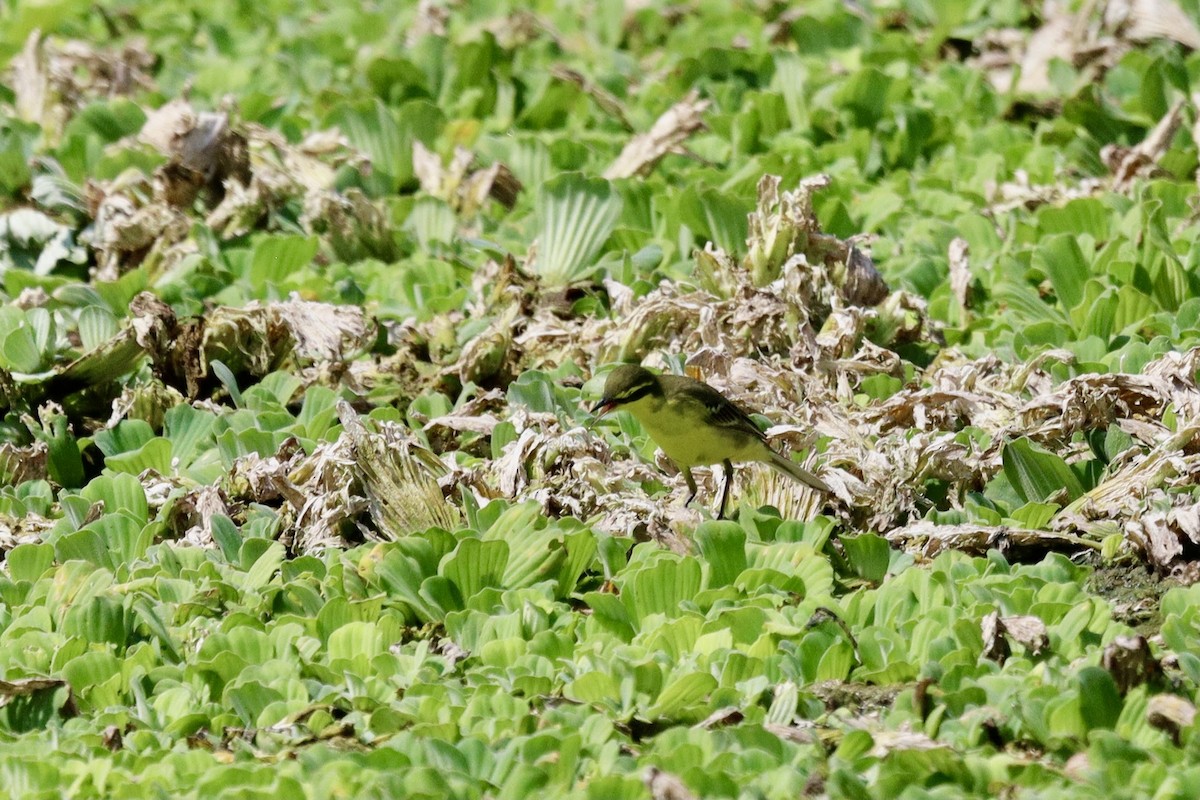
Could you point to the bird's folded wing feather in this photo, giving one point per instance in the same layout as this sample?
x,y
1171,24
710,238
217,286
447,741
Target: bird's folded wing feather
x,y
719,410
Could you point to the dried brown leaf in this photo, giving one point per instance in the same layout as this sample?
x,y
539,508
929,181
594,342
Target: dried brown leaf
x,y
1146,20
665,786
978,539
1170,713
1129,660
52,79
1128,164
960,274
385,473
667,135
22,463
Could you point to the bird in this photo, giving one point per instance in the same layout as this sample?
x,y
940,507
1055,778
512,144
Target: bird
x,y
694,424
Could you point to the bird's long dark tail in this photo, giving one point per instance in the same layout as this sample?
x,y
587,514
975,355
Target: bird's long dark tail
x,y
795,471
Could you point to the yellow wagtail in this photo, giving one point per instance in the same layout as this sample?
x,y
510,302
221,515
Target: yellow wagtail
x,y
694,424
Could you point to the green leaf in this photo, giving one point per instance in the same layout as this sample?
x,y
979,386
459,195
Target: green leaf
x,y
96,326
864,95
1116,441
1061,258
835,663
387,137
475,565
684,698
723,545
28,562
119,492
21,351
575,216
276,258
1101,316
189,429
592,687
1035,515
1099,698
128,435
356,643
1037,474
87,545
64,462
227,537
100,620
263,559
580,557
154,454
868,554
432,221
1133,308
229,381
718,217
661,588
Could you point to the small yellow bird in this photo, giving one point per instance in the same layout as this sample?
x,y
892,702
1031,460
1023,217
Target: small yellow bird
x,y
694,424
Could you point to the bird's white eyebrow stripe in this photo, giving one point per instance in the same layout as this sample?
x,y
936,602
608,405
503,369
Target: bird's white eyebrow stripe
x,y
636,391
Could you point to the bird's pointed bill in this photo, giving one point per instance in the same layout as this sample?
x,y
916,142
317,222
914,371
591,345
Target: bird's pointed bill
x,y
603,407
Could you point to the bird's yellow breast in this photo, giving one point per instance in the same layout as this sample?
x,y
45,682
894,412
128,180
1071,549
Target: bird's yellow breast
x,y
681,428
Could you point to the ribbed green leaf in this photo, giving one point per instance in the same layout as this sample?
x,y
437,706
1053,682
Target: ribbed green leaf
x,y
475,565
123,492
102,619
1101,316
723,545
27,562
261,560
129,434
661,588
275,258
356,643
1132,309
154,454
575,216
715,216
1062,260
682,696
868,554
189,430
1099,698
1036,474
96,326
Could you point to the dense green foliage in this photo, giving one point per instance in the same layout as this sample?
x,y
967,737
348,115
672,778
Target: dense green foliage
x,y
524,653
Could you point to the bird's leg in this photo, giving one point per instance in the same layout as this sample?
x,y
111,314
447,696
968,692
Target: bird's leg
x,y
691,482
728,465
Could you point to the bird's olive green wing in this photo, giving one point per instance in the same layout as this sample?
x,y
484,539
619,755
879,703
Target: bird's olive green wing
x,y
718,409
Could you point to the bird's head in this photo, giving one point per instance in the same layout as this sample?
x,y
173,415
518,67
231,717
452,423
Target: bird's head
x,y
626,384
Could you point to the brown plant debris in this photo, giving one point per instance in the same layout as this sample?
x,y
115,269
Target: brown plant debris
x,y
1129,660
260,338
960,274
204,152
52,79
464,187
1028,631
19,464
1128,164
663,785
1170,713
1090,36
666,136
785,238
377,483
